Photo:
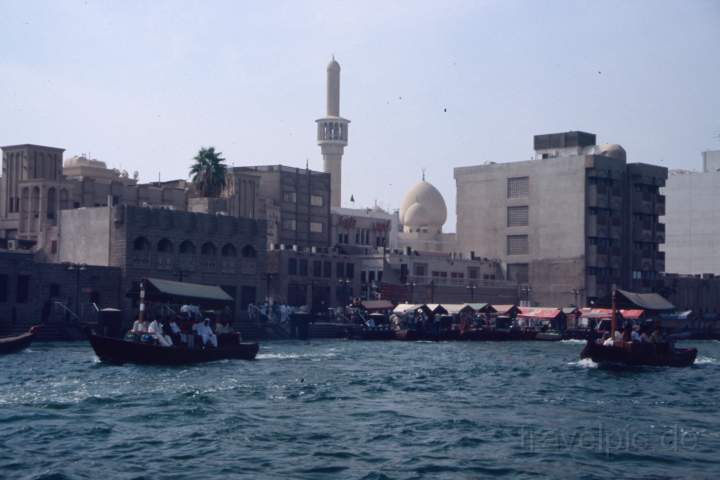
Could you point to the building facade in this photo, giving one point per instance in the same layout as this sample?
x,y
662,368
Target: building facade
x,y
168,244
295,203
692,218
33,293
568,224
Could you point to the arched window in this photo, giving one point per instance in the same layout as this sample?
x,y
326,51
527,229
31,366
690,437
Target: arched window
x,y
187,248
208,248
141,244
165,246
249,251
228,250
51,202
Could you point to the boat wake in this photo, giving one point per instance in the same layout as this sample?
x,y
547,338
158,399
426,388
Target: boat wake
x,y
702,360
293,356
574,341
584,363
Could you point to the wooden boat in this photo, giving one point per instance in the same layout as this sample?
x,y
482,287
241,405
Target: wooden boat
x,y
17,343
640,354
115,350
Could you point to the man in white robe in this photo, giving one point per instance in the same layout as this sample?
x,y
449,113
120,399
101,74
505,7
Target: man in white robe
x,y
204,331
155,329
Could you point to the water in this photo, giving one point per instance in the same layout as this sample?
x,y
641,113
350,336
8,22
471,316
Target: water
x,y
359,410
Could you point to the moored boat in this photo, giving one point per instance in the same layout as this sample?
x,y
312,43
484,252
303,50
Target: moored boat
x,y
657,355
118,351
19,342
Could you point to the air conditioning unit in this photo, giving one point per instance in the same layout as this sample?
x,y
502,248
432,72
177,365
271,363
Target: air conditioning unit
x,y
313,249
295,248
12,245
282,246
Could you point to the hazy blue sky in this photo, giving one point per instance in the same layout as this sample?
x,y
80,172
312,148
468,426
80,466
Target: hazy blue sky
x,y
142,85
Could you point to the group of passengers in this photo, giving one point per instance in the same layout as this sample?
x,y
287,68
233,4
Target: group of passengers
x,y
634,334
186,329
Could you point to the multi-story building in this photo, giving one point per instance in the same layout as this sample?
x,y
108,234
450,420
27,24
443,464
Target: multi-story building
x,y
568,224
357,229
692,218
169,244
36,186
295,202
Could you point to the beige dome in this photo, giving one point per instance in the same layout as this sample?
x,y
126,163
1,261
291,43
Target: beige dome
x,y
423,206
611,150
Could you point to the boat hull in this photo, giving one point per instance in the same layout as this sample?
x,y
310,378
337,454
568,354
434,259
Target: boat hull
x,y
16,344
640,355
117,351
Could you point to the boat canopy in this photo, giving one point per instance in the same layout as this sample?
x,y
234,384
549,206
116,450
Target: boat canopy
x,y
646,301
456,308
604,313
408,307
437,308
158,290
545,313
508,310
376,305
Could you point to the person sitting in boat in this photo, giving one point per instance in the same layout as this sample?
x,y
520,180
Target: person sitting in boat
x,y
155,329
657,334
204,331
618,337
175,332
139,326
607,340
644,337
635,335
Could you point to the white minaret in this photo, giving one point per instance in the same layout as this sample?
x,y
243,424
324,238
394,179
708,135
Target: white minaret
x,y
333,133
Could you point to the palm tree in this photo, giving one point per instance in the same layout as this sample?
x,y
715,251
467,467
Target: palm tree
x,y
208,172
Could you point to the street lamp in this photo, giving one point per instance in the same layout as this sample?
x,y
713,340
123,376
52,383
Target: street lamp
x,y
472,288
77,268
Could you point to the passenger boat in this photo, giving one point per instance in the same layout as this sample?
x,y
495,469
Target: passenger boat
x,y
119,351
633,354
19,342
637,354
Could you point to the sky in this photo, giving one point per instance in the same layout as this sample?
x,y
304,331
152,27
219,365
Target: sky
x,y
433,85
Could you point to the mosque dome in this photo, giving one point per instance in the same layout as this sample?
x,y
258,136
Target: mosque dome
x,y
423,206
611,150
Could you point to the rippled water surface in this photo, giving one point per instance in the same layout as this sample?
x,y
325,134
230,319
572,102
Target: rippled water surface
x,y
359,410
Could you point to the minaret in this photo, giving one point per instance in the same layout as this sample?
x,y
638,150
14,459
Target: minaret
x,y
333,133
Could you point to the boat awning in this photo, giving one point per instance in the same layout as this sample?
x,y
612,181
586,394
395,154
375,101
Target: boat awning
x,y
456,308
437,308
158,290
545,313
377,305
646,301
408,307
505,309
482,307
632,314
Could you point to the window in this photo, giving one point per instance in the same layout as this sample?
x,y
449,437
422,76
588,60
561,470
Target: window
x,y
317,268
165,246
3,288
340,270
228,250
327,269
473,272
289,224
371,276
518,187
316,227
303,267
517,272
420,269
316,200
292,266
23,288
187,248
208,248
290,197
363,276
350,270
141,244
248,251
54,290
517,244
517,216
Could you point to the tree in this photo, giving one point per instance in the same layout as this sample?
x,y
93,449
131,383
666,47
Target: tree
x,y
208,172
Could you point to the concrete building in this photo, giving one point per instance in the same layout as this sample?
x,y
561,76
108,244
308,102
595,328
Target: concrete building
x,y
36,186
357,229
692,218
567,224
295,202
34,293
169,244
332,134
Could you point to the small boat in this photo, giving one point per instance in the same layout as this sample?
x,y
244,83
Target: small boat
x,y
549,336
18,343
119,351
634,354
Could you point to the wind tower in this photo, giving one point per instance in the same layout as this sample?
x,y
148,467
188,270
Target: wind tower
x,y
332,133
